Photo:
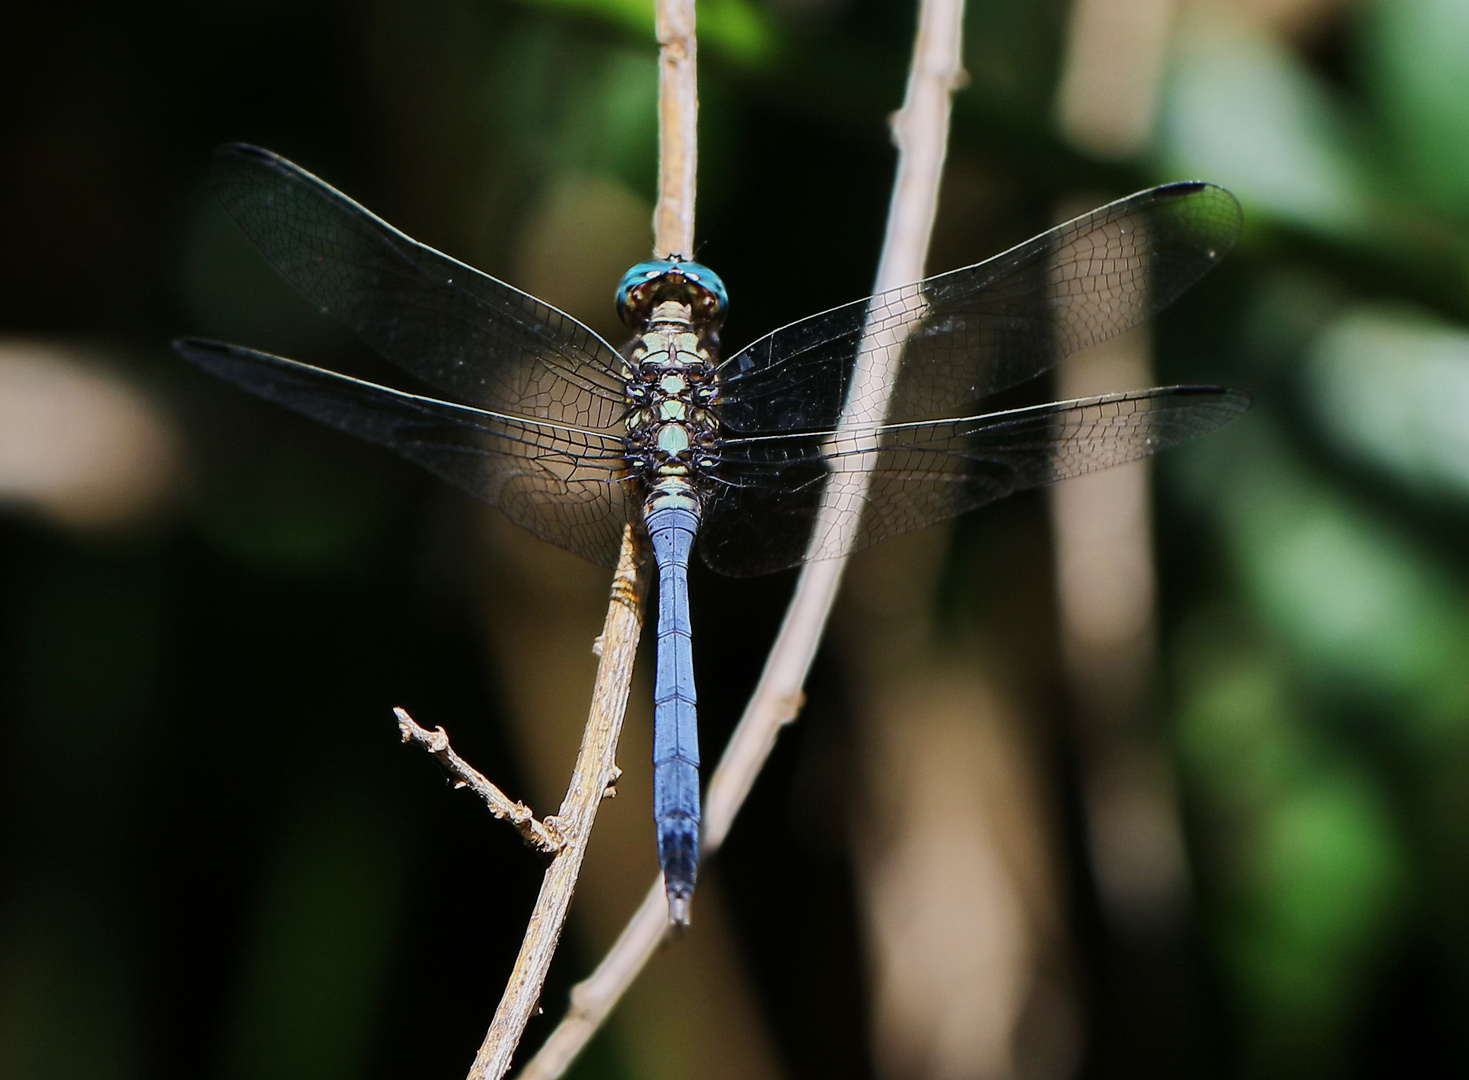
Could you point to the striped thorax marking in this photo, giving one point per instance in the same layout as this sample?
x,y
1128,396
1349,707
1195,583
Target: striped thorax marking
x,y
670,381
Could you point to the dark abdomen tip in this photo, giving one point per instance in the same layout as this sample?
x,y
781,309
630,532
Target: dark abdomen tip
x,y
678,854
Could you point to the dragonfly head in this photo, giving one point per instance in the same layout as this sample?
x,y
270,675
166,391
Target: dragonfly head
x,y
650,283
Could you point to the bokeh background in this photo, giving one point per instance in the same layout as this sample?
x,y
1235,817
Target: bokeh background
x,y
1124,780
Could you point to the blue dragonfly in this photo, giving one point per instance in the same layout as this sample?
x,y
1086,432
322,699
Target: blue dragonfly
x,y
573,439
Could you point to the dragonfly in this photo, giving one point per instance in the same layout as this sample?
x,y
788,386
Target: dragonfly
x,y
573,439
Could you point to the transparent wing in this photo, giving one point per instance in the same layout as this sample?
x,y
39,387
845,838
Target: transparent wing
x,y
993,325
763,515
458,330
563,483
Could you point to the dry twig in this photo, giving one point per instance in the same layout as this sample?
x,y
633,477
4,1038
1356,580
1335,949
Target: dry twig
x,y
595,770
920,130
542,836
678,128
566,835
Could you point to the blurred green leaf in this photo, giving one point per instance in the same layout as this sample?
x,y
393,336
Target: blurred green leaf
x,y
1236,729
565,104
736,29
610,122
1391,386
1417,54
1241,110
1323,896
1330,870
1012,54
1311,875
1363,609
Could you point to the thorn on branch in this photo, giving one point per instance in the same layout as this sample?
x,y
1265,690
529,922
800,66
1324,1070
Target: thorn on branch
x,y
543,836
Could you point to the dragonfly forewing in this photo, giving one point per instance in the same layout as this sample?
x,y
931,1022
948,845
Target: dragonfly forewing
x,y
465,333
990,326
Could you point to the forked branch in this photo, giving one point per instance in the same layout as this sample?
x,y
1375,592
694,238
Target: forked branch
x,y
595,770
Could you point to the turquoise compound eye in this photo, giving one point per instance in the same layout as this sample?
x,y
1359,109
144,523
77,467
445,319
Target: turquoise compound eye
x,y
650,283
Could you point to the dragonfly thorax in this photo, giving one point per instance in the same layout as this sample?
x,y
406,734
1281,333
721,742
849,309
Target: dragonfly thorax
x,y
669,375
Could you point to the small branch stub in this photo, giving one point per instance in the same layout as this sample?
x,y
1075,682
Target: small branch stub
x,y
543,836
595,767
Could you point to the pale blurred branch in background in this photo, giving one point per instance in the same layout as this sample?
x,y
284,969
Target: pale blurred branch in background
x,y
1108,92
955,852
957,864
78,444
1106,104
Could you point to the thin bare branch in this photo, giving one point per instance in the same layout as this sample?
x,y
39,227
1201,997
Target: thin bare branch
x,y
678,128
593,998
595,770
543,837
673,224
920,130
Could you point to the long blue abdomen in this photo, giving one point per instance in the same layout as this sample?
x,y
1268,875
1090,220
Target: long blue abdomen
x,y
675,710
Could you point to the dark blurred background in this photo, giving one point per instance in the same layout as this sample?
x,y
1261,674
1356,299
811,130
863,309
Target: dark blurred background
x,y
1221,831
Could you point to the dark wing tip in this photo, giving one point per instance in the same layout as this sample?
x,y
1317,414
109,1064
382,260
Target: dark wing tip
x,y
1212,209
230,161
1184,189
1179,189
190,347
199,344
214,356
242,149
1233,401
1240,400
